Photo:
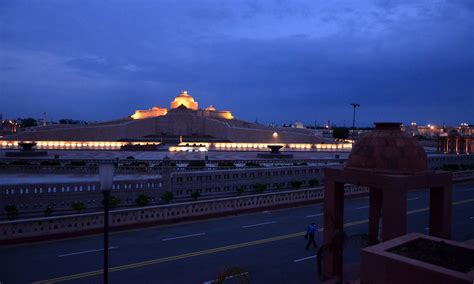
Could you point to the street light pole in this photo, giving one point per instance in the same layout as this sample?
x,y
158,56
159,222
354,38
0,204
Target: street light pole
x,y
106,194
106,174
354,105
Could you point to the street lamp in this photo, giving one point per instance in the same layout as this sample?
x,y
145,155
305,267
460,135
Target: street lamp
x,y
106,175
354,105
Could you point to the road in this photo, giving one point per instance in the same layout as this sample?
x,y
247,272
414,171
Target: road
x,y
269,246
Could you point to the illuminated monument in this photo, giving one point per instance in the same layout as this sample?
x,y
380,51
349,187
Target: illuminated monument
x,y
182,101
184,118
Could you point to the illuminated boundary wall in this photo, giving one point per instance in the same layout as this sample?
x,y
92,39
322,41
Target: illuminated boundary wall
x,y
73,145
80,224
236,146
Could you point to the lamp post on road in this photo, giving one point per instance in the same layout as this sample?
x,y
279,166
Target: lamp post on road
x,y
354,105
106,175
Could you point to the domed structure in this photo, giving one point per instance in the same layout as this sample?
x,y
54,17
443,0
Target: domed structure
x,y
211,108
388,150
185,100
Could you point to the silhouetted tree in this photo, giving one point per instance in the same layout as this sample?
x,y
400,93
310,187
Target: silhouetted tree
x,y
27,122
11,211
195,195
78,206
167,196
260,187
143,200
340,133
313,182
48,211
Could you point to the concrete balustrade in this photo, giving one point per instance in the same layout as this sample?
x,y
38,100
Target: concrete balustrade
x,y
33,199
61,226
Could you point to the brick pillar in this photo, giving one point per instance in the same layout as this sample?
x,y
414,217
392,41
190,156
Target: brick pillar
x,y
333,222
440,211
375,206
394,212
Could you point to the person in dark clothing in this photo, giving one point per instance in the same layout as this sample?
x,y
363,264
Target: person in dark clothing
x,y
310,232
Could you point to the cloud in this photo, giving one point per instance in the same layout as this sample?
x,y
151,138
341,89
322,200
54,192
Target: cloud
x,y
131,68
276,60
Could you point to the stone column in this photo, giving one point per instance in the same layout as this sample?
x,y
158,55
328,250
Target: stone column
x,y
394,212
447,145
440,211
457,145
333,223
375,206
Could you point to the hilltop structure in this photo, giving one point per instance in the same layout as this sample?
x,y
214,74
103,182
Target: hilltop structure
x,y
184,118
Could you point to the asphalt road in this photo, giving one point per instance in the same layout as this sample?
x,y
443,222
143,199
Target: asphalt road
x,y
267,246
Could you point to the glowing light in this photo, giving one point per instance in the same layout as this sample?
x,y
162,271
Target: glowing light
x,y
275,135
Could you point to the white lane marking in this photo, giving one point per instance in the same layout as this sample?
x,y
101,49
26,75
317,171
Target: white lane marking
x,y
305,258
427,228
259,224
363,207
472,189
470,218
414,198
86,251
315,215
266,212
228,277
182,237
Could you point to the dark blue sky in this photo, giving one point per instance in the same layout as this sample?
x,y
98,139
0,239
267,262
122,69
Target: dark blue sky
x,y
272,60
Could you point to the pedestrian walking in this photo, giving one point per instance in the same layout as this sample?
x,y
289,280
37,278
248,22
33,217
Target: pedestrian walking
x,y
310,232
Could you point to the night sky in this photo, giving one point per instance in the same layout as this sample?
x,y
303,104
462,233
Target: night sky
x,y
278,61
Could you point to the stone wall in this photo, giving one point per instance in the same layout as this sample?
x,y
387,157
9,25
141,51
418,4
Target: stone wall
x,y
440,160
33,199
61,226
79,224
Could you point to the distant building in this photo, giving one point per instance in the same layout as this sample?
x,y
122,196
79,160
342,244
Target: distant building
x,y
431,130
184,100
8,127
184,118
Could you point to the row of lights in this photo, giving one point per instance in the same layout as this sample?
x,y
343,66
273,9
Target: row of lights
x,y
260,146
243,145
73,144
187,149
